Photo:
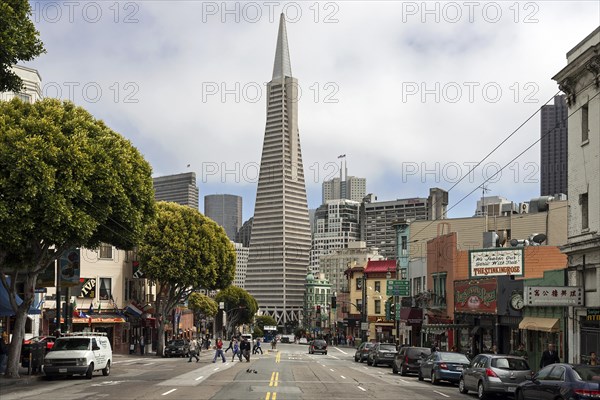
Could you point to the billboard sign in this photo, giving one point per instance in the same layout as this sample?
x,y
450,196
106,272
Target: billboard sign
x,y
496,262
476,296
549,296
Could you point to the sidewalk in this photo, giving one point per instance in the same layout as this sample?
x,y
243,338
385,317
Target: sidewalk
x,y
23,379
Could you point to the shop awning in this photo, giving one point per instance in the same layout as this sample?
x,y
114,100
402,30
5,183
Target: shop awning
x,y
100,319
540,324
441,328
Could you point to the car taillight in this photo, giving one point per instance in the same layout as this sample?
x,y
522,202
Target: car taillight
x,y
406,359
490,372
443,366
588,393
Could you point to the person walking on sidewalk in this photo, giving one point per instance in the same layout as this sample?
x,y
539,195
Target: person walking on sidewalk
x,y
230,347
257,347
245,349
219,350
236,351
142,344
193,349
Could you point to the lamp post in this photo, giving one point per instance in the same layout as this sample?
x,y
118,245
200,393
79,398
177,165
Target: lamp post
x,y
365,315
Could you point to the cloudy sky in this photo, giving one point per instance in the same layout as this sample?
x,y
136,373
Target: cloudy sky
x,y
413,93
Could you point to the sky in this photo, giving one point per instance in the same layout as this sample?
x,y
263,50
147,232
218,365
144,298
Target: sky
x,y
413,93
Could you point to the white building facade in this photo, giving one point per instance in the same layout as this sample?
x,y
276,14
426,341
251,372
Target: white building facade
x,y
241,265
580,81
31,90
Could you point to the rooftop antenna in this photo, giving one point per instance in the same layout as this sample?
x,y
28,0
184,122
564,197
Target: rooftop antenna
x,y
484,213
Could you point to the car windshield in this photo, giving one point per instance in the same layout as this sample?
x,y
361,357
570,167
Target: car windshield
x,y
387,347
320,342
587,373
510,363
71,344
368,345
418,351
177,343
454,357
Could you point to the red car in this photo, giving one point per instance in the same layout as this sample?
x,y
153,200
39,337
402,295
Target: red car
x,y
49,340
38,357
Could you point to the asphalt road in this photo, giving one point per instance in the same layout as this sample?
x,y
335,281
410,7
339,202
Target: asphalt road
x,y
288,373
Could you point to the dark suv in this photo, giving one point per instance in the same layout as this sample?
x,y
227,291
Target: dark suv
x,y
381,353
177,348
317,346
362,351
409,359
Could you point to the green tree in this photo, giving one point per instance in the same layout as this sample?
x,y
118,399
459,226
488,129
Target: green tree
x,y
66,180
183,251
263,320
19,41
202,304
240,307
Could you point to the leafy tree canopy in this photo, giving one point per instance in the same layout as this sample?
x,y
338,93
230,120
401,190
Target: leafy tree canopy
x,y
203,304
66,180
239,305
19,41
263,320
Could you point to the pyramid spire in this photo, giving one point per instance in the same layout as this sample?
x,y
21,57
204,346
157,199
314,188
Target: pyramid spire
x,y
282,66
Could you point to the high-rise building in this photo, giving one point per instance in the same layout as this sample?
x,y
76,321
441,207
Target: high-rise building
x,y
225,210
554,147
336,224
280,241
31,91
178,188
241,265
377,217
244,233
344,187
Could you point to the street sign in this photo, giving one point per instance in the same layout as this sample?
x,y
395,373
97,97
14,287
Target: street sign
x,y
398,287
364,326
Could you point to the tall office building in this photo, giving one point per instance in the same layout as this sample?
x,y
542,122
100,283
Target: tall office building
x,y
178,188
31,90
377,218
280,242
336,224
244,233
344,187
241,265
225,210
554,148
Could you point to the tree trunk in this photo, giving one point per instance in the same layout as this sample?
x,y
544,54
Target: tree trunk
x,y
18,333
160,345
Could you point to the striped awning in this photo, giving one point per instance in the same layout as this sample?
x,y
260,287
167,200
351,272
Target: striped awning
x,y
540,324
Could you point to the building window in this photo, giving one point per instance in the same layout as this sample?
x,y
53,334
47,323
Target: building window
x,y
106,251
439,289
377,306
377,286
105,288
584,123
583,202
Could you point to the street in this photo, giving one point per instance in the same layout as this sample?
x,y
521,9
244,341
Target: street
x,y
289,373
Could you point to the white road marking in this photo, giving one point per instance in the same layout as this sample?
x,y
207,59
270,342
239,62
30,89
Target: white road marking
x,y
402,380
362,388
340,350
216,369
198,378
440,393
343,377
365,368
334,357
170,391
331,370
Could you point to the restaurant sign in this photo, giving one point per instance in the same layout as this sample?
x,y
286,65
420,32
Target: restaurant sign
x,y
497,262
548,296
475,296
593,314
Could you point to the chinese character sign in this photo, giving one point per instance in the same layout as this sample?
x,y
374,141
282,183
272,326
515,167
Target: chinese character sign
x,y
553,296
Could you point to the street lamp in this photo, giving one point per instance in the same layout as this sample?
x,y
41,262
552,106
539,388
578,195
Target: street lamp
x,y
365,317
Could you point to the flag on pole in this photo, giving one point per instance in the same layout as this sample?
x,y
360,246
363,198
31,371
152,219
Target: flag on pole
x,y
91,310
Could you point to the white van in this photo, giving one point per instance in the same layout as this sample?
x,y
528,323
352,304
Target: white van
x,y
79,353
248,337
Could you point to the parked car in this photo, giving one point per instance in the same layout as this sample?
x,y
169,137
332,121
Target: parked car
x,y
317,346
362,351
302,340
381,353
42,344
562,381
177,348
409,359
79,353
494,373
443,366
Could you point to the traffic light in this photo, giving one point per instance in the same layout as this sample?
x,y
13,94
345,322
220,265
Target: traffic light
x,y
333,302
388,310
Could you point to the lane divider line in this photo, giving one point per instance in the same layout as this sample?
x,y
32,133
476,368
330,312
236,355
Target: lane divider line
x,y
331,370
440,393
170,391
343,377
272,379
362,388
198,378
276,379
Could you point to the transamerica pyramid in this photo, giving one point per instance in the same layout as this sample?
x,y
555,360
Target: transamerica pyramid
x,y
280,240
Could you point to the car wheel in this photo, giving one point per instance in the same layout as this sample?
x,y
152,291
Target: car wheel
x,y
420,375
403,370
106,370
369,362
394,369
461,386
90,371
374,362
481,395
325,353
355,359
434,379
